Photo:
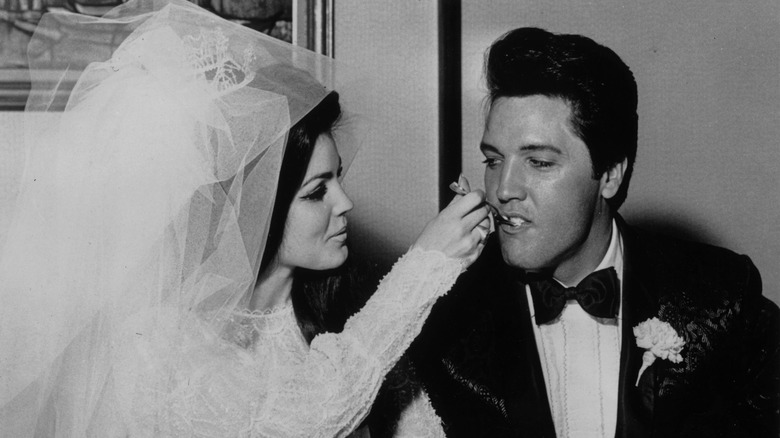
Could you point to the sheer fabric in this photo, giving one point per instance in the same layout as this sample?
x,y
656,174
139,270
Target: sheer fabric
x,y
154,139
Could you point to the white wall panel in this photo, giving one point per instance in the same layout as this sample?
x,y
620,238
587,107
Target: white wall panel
x,y
394,177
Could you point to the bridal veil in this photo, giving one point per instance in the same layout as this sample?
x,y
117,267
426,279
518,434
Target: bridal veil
x,y
154,137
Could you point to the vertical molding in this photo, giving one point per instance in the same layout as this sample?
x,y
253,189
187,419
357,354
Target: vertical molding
x,y
299,22
319,22
450,116
313,25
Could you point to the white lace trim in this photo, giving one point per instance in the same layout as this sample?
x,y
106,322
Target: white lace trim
x,y
209,54
206,56
259,313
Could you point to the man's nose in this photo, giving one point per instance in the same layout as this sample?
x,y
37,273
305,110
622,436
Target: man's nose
x,y
512,182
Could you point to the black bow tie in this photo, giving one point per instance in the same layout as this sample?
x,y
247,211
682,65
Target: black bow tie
x,y
598,294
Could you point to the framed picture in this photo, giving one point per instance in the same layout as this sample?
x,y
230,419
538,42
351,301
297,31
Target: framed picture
x,y
307,23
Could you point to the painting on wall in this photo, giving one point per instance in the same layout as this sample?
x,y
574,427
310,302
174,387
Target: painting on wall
x,y
19,18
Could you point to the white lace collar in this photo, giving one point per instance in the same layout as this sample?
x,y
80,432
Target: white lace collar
x,y
269,312
249,324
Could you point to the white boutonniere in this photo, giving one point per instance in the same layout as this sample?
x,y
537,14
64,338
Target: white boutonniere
x,y
660,340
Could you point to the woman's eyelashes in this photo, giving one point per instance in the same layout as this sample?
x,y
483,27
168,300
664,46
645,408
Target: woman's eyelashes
x,y
318,193
321,189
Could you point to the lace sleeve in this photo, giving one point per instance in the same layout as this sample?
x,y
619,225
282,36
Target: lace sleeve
x,y
419,419
332,391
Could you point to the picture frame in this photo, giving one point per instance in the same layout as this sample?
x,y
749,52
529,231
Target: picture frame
x,y
307,23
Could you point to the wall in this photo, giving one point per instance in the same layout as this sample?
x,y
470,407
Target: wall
x,y
708,166
11,135
394,176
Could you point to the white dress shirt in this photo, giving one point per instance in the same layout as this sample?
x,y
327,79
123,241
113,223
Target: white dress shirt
x,y
580,356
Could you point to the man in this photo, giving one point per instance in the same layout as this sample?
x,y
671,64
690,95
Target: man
x,y
517,350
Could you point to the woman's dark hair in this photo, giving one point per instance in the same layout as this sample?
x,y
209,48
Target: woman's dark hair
x,y
598,86
323,300
297,154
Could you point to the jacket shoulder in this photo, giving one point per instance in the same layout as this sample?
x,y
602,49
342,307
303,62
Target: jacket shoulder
x,y
693,266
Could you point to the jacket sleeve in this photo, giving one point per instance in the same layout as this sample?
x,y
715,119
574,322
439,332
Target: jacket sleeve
x,y
745,396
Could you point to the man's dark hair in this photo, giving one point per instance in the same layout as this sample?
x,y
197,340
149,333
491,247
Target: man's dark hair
x,y
598,86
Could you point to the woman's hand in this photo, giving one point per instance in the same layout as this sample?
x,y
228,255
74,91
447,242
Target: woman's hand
x,y
460,230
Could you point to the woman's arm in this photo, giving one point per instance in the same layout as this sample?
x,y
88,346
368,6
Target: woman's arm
x,y
333,390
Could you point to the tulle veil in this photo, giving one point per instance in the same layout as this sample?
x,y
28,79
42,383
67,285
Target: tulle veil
x,y
146,194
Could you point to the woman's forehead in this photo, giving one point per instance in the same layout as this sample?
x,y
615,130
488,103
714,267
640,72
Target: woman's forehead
x,y
324,157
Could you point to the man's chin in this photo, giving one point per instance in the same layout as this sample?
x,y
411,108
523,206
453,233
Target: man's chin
x,y
519,256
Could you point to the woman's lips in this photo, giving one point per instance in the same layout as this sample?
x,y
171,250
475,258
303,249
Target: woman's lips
x,y
340,233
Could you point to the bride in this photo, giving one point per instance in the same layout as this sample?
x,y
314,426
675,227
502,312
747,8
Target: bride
x,y
152,272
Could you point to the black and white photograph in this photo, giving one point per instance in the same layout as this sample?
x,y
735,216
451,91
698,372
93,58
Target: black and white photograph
x,y
366,219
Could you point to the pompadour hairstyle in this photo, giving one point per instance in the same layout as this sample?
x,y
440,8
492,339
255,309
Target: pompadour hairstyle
x,y
598,86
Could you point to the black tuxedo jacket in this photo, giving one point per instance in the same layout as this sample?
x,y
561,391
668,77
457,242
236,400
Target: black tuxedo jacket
x,y
478,361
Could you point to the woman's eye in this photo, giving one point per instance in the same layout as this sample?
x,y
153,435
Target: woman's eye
x,y
317,194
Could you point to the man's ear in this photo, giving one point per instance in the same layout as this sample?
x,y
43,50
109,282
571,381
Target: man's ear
x,y
611,179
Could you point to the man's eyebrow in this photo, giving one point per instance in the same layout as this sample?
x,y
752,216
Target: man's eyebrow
x,y
323,175
484,147
541,147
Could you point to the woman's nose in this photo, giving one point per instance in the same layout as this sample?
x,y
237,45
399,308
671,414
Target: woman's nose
x,y
343,203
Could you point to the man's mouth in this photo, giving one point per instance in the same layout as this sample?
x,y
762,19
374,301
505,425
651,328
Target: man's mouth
x,y
514,220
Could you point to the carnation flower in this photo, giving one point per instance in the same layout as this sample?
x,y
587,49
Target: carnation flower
x,y
660,340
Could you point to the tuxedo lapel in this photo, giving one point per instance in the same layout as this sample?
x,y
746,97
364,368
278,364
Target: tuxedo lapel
x,y
478,356
529,406
640,302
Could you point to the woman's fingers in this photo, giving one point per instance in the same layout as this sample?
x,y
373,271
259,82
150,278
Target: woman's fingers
x,y
460,230
464,183
477,217
466,204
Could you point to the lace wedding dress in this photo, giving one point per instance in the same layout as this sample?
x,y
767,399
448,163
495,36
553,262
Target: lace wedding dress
x,y
261,379
138,230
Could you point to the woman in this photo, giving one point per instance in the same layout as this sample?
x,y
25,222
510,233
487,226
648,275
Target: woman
x,y
143,286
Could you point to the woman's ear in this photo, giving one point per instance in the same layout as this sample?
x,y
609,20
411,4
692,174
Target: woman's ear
x,y
611,179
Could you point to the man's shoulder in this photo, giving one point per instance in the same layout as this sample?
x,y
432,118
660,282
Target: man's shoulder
x,y
675,247
688,262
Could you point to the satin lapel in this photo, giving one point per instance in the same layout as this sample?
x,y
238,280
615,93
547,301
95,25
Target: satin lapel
x,y
528,404
640,302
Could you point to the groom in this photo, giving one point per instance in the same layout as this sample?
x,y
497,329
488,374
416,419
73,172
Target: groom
x,y
551,332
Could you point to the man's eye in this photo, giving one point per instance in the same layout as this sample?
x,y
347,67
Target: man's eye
x,y
317,194
490,162
540,164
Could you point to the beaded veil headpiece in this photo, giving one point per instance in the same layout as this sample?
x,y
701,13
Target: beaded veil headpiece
x,y
146,193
